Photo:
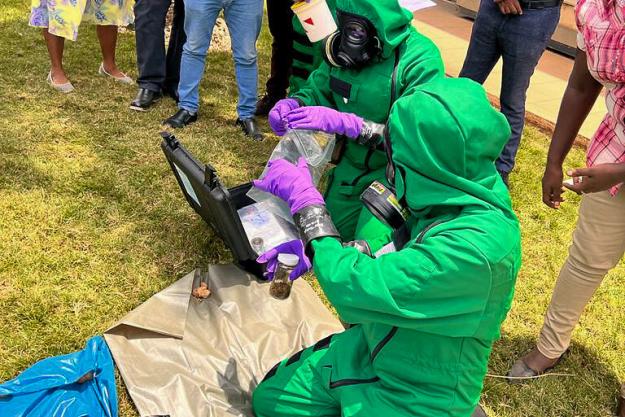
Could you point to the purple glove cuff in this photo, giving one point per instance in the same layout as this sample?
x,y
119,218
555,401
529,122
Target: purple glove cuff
x,y
311,197
352,125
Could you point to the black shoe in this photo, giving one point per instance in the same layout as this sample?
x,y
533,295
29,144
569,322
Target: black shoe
x,y
180,119
479,412
504,176
265,104
250,128
145,99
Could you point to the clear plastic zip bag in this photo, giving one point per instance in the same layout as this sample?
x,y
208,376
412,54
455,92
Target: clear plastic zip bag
x,y
316,147
265,229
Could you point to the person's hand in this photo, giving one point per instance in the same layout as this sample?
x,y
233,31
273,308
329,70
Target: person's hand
x,y
277,115
597,178
295,247
552,186
325,119
509,7
292,183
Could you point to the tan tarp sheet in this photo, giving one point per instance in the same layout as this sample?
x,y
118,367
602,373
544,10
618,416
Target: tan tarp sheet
x,y
183,357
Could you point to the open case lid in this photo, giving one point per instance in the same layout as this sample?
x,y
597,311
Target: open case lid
x,y
216,204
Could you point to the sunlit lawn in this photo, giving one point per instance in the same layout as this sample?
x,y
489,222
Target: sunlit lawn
x,y
92,222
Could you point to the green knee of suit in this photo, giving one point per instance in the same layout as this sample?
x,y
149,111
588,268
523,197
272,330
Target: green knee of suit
x,y
332,378
352,219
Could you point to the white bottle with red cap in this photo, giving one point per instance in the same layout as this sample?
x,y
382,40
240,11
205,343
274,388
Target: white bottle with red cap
x,y
316,18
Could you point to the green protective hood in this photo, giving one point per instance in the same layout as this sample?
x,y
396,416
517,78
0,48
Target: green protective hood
x,y
445,138
391,21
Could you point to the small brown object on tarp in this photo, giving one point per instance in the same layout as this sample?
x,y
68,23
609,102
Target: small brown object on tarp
x,y
186,357
202,292
200,285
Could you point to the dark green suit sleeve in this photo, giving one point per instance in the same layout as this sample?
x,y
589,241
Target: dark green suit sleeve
x,y
440,286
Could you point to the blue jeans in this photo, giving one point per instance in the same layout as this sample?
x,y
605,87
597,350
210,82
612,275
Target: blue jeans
x,y
244,19
520,40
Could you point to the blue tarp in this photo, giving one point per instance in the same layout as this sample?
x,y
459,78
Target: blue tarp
x,y
75,385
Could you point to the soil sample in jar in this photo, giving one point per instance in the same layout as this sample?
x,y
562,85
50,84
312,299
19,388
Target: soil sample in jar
x,y
280,287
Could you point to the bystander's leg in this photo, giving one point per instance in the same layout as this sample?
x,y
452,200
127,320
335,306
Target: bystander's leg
x,y
107,35
55,45
524,40
244,20
177,39
280,18
150,43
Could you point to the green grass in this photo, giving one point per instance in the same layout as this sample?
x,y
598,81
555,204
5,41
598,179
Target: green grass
x,y
92,222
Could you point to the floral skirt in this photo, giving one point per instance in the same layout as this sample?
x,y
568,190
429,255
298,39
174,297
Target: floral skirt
x,y
62,17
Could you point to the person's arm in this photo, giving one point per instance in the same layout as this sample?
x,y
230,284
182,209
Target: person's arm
x,y
441,285
597,178
579,97
316,91
423,64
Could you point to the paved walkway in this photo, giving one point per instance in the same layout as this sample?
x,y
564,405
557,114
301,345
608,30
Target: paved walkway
x,y
451,34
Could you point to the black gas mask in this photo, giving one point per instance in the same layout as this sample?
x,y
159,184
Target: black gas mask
x,y
381,200
355,44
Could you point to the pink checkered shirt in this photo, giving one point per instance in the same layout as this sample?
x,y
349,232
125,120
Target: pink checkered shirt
x,y
601,26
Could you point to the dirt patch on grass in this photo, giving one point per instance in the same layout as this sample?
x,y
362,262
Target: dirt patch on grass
x,y
221,37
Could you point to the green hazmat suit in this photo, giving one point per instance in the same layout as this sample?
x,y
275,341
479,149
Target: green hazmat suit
x,y
428,314
367,92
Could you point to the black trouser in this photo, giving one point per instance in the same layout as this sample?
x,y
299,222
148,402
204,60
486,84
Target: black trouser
x,y
158,71
280,18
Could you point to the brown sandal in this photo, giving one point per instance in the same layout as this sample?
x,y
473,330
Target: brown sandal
x,y
521,372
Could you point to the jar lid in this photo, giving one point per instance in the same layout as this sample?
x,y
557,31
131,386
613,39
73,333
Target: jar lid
x,y
288,259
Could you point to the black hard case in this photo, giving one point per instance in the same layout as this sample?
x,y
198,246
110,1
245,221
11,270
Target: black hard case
x,y
218,205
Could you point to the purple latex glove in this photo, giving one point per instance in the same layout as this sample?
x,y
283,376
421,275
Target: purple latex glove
x,y
278,113
295,247
292,183
325,119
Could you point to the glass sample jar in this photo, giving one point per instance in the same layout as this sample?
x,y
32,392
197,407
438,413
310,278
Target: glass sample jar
x,y
281,284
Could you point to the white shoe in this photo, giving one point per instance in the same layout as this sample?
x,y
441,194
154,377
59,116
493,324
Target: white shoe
x,y
123,79
63,88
